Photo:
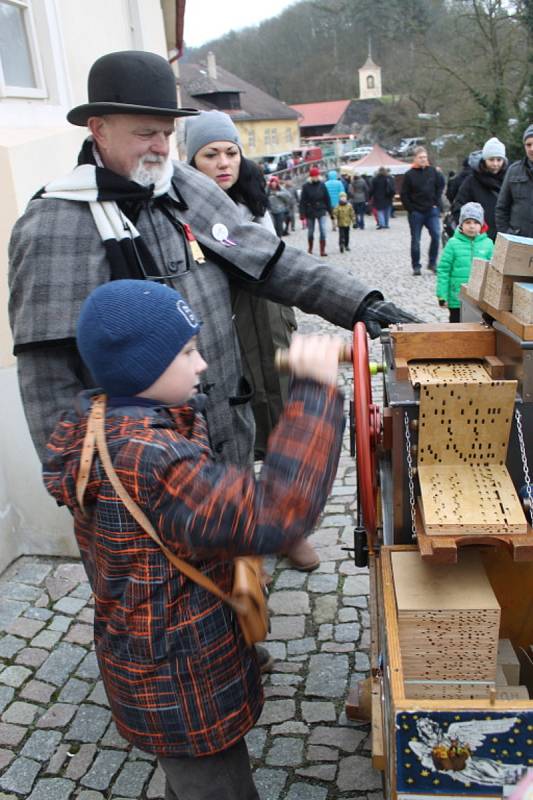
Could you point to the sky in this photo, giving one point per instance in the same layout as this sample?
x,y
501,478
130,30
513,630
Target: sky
x,y
209,19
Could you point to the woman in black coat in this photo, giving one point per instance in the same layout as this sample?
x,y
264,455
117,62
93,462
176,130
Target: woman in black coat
x,y
485,182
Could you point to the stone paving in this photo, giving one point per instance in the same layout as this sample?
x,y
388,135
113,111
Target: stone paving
x,y
57,739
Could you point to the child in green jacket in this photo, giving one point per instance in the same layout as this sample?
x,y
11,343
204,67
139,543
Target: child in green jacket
x,y
343,217
455,263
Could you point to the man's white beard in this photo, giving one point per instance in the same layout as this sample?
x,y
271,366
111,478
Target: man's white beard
x,y
144,175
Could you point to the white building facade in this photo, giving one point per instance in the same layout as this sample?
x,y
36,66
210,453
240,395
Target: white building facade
x,y
46,50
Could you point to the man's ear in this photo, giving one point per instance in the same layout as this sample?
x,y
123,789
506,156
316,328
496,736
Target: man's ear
x,y
98,129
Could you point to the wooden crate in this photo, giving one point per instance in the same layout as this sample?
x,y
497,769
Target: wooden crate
x,y
448,619
513,255
523,301
441,340
508,662
411,727
505,318
478,274
498,289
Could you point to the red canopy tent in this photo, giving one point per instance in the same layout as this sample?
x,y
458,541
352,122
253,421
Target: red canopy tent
x,y
376,159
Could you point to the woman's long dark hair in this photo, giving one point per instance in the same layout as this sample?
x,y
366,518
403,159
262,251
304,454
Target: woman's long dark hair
x,y
250,187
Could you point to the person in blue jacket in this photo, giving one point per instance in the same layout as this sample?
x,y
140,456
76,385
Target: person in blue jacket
x,y
334,186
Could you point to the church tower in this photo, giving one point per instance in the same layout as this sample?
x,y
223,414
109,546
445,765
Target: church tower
x,y
369,78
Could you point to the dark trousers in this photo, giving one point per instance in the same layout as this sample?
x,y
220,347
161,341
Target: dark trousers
x,y
359,209
455,314
424,219
223,776
344,238
279,222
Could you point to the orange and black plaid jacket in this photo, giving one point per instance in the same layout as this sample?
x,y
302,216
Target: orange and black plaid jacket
x,y
178,675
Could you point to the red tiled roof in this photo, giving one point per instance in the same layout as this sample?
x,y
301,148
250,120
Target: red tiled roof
x,y
326,113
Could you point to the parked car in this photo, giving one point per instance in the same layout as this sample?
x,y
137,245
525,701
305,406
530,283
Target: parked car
x,y
275,162
307,154
447,138
408,145
358,152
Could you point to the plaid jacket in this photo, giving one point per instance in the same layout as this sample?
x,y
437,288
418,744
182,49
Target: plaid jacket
x,y
57,259
179,677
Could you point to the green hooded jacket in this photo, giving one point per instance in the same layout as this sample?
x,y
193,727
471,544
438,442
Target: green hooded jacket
x,y
455,263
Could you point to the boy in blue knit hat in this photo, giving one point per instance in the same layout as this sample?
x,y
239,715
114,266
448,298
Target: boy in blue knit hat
x,y
181,681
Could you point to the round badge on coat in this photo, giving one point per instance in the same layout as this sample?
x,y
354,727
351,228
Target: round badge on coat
x,y
219,232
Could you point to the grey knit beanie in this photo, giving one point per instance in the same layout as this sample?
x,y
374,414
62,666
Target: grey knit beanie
x,y
209,126
493,148
528,133
472,211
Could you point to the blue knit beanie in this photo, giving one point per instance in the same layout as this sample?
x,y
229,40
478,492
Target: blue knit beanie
x,y
207,127
130,331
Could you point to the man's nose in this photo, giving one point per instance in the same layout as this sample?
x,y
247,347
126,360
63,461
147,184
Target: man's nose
x,y
159,144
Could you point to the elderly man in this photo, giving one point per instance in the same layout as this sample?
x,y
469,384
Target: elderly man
x,y
127,211
421,193
514,207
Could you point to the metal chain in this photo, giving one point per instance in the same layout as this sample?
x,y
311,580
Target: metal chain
x,y
529,489
409,458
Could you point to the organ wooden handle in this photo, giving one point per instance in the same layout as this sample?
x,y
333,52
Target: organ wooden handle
x,y
281,359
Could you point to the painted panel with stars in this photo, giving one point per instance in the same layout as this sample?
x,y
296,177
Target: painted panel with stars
x,y
466,754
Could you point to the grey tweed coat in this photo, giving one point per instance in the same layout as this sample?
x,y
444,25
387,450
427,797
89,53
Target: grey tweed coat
x,y
56,258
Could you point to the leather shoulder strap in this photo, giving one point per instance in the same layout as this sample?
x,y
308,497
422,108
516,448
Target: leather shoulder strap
x,y
96,425
86,460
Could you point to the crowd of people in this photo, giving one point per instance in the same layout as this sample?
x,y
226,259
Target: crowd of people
x,y
151,295
496,197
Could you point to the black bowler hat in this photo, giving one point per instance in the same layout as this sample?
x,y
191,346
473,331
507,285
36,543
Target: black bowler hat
x,y
130,82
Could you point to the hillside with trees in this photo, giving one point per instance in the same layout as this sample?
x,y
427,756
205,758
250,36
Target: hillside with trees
x,y
469,61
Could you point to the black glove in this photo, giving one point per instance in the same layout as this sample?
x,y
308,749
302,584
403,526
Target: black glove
x,y
378,314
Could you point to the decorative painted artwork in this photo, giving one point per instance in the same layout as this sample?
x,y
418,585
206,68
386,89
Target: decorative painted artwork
x,y
470,754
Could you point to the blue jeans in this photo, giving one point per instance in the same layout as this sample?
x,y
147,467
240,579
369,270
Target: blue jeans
x,y
430,220
321,227
359,209
383,217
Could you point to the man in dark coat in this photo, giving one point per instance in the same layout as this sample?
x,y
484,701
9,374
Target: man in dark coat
x,y
514,207
421,192
315,206
484,183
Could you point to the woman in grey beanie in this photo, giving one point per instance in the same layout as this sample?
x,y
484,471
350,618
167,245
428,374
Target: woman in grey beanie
x,y
214,147
484,184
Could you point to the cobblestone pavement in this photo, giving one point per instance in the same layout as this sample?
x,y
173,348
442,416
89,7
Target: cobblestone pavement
x,y
57,740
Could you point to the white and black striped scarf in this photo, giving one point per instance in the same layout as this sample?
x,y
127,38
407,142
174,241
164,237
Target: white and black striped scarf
x,y
114,202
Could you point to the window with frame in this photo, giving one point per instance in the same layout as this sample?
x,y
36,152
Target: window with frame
x,y
251,138
21,73
370,82
274,135
267,135
288,135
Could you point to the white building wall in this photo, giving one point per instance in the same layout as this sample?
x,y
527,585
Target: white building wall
x,y
36,145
